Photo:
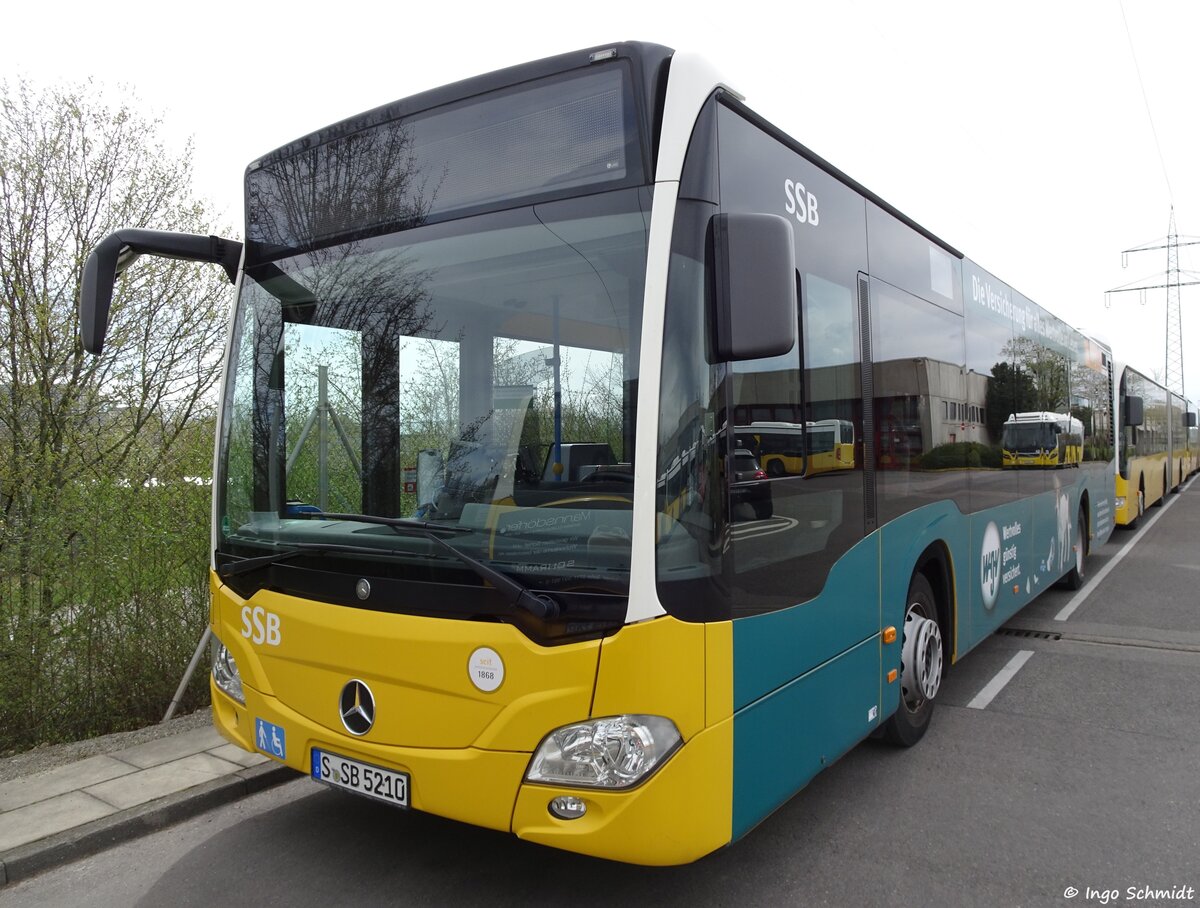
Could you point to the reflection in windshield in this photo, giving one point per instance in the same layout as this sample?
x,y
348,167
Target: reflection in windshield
x,y
478,373
1034,437
388,171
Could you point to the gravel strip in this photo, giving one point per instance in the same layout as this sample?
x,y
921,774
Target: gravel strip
x,y
50,756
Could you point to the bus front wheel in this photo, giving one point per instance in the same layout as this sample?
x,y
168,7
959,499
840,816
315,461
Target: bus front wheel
x,y
1074,580
920,666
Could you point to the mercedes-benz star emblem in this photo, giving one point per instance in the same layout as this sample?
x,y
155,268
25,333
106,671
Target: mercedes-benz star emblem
x,y
357,707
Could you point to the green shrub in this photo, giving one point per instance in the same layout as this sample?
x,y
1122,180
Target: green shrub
x,y
95,637
961,455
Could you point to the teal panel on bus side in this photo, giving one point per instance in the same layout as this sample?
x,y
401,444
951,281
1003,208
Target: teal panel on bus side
x,y
806,679
782,740
1001,558
771,649
1099,483
1020,550
904,540
803,694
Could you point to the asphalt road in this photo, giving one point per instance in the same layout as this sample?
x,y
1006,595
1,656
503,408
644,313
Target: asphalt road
x,y
1081,773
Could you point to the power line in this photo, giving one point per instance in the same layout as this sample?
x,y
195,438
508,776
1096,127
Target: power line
x,y
1174,340
1145,100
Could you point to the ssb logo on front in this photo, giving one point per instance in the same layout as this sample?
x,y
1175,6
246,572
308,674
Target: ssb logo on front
x,y
260,626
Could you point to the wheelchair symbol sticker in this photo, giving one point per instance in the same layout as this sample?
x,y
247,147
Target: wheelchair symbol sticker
x,y
270,739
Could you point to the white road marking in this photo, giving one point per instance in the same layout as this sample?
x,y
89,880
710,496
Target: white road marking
x,y
1078,599
993,687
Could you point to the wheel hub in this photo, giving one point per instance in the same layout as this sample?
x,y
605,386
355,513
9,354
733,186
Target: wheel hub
x,y
921,658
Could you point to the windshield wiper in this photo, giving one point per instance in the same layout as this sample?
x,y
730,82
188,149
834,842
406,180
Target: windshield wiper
x,y
537,604
246,565
396,523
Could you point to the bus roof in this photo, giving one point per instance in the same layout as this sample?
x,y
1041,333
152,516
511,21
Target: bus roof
x,y
1036,416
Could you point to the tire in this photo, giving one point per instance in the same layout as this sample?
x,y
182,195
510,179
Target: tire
x,y
1162,498
921,666
1141,504
763,509
1075,579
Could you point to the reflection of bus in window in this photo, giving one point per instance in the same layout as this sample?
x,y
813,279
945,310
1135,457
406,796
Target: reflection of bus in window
x,y
1042,439
830,445
783,447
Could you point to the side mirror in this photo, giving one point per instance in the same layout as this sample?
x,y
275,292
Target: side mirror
x,y
1189,420
1133,411
117,251
753,286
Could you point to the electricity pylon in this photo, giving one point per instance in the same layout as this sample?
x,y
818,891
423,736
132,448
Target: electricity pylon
x,y
1174,345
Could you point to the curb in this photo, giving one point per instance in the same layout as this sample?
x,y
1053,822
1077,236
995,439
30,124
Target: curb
x,y
26,861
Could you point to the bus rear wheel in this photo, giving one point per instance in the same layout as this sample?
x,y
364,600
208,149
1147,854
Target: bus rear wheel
x,y
1075,579
920,666
1141,503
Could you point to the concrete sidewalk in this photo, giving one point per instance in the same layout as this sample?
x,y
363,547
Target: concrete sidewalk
x,y
84,806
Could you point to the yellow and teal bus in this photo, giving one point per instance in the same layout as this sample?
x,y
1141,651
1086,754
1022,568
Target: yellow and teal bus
x,y
501,576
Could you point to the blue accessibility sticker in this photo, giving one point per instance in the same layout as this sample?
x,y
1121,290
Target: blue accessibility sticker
x,y
270,739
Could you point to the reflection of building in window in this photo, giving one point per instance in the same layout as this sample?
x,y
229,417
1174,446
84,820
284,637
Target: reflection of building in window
x,y
922,403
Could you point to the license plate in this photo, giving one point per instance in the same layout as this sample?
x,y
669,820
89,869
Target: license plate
x,y
353,775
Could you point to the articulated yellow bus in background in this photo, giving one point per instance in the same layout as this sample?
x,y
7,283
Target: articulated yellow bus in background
x,y
1184,455
1143,445
1193,441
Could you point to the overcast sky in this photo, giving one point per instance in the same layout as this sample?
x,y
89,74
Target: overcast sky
x,y
1016,131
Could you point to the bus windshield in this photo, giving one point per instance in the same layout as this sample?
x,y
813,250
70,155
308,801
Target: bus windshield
x,y
477,375
1034,436
392,169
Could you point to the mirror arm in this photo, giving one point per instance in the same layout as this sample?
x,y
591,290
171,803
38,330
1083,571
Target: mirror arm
x,y
119,250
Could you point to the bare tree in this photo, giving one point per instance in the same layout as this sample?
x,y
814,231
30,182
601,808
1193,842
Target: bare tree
x,y
1048,369
73,168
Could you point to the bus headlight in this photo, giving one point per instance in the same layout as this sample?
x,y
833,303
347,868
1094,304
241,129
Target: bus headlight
x,y
225,672
614,752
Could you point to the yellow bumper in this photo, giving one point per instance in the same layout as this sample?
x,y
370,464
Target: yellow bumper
x,y
466,751
468,784
679,814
